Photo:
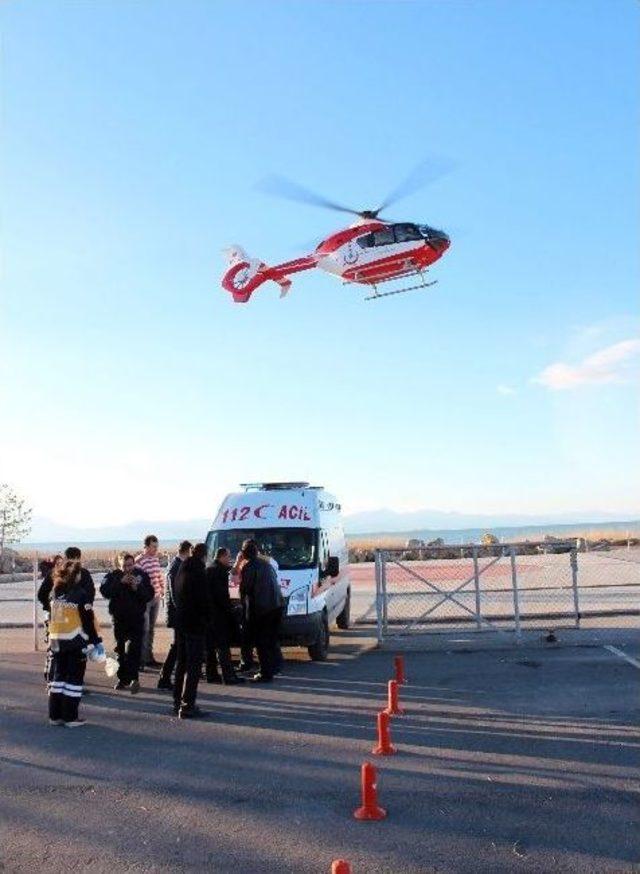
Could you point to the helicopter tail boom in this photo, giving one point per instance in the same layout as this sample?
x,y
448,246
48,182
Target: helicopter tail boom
x,y
246,274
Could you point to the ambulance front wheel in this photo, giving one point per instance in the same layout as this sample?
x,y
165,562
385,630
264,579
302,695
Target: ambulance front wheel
x,y
319,650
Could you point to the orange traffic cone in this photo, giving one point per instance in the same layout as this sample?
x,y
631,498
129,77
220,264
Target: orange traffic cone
x,y
340,867
393,708
384,747
369,809
398,663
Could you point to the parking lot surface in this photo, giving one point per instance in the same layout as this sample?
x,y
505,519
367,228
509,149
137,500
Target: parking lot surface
x,y
513,759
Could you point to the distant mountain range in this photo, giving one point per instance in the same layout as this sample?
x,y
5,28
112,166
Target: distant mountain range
x,y
46,531
427,524
390,521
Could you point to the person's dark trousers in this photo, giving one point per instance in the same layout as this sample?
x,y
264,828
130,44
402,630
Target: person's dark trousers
x,y
129,649
48,667
247,642
218,653
48,659
189,658
170,662
65,686
279,658
266,637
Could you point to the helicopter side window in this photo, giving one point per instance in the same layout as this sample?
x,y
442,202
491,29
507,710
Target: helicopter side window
x,y
384,237
365,242
406,233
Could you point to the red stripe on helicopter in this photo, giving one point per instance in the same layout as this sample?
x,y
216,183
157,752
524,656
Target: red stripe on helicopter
x,y
398,264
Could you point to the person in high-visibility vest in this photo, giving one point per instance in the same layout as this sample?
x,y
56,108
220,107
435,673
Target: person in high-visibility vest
x,y
72,636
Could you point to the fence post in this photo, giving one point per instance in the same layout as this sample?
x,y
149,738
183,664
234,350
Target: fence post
x,y
476,583
574,585
383,576
35,602
516,598
378,561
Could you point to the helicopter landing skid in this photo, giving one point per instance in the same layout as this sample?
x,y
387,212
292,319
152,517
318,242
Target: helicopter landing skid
x,y
376,294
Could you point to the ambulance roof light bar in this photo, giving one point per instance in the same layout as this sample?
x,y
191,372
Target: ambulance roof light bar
x,y
275,487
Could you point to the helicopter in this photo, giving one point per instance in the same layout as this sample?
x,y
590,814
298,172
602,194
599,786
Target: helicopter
x,y
371,251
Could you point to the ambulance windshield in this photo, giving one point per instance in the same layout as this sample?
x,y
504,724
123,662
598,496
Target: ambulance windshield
x,y
293,548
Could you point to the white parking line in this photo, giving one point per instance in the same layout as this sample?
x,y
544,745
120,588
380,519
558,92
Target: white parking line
x,y
623,655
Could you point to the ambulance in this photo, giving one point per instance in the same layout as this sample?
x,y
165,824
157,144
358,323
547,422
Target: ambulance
x,y
300,527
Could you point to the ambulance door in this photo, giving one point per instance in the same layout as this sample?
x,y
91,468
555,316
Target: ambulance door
x,y
325,581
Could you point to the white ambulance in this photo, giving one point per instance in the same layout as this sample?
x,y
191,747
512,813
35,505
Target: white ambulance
x,y
300,527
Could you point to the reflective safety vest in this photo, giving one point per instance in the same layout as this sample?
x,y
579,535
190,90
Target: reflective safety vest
x,y
65,624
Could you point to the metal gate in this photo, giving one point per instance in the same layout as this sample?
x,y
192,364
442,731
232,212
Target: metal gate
x,y
502,588
499,588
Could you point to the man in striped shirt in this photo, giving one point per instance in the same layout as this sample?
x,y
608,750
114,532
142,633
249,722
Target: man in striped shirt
x,y
149,562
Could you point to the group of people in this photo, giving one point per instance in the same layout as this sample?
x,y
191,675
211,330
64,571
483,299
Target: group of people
x,y
204,622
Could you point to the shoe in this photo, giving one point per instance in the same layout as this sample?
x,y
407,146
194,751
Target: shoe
x,y
152,663
214,678
134,687
191,713
175,709
234,681
244,667
260,678
56,722
120,685
165,685
75,723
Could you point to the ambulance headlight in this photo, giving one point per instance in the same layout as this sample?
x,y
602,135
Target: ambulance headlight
x,y
297,603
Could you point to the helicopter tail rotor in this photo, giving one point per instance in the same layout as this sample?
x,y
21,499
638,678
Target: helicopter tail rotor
x,y
245,274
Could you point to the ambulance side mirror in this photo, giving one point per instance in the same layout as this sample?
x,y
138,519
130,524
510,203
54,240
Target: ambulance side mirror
x,y
333,566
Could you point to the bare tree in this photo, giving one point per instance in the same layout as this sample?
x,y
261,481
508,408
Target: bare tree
x,y
15,518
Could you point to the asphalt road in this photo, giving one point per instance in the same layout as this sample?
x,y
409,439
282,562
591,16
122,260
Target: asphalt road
x,y
520,760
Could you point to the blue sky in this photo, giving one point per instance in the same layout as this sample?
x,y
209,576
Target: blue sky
x,y
134,135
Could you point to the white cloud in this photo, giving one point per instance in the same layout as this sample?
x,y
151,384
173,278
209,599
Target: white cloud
x,y
506,390
613,364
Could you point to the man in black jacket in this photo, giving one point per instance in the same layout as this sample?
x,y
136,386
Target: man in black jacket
x,y
128,591
71,553
192,615
262,599
218,637
184,551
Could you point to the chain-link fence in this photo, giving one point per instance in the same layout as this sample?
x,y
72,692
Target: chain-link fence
x,y
504,588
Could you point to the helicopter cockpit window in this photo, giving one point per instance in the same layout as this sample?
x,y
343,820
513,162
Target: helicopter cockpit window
x,y
406,233
384,237
365,242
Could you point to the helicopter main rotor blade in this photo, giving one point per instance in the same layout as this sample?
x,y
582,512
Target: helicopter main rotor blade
x,y
428,171
282,187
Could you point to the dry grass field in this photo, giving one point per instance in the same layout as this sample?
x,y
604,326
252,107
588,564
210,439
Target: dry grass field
x,y
361,548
